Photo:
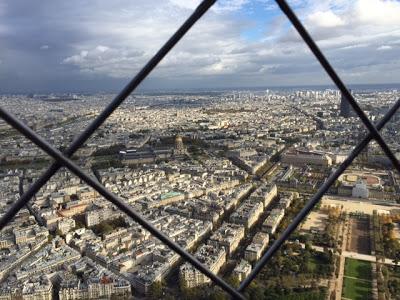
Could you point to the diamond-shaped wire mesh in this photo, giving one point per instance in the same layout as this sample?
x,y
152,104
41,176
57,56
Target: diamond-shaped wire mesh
x,y
62,159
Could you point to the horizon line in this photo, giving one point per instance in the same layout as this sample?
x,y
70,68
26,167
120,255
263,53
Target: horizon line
x,y
206,89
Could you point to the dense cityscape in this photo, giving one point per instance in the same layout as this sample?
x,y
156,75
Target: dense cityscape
x,y
222,173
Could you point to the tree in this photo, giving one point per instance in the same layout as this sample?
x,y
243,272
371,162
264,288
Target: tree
x,y
295,268
157,290
218,295
394,287
233,281
191,293
301,280
255,291
307,246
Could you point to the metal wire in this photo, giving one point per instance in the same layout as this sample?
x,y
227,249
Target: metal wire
x,y
127,209
314,200
84,136
62,159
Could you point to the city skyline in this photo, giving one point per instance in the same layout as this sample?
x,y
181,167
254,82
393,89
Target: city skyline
x,y
155,90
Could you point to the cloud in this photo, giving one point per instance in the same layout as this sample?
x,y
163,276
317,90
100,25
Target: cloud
x,y
325,19
117,63
188,4
230,5
76,59
220,7
384,47
101,48
115,39
378,12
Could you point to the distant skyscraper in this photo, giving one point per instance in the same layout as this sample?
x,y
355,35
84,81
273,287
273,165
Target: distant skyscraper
x,y
345,107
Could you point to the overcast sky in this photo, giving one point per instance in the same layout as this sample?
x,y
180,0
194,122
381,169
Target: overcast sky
x,y
97,45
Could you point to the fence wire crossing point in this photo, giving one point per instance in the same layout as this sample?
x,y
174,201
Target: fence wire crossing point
x,y
99,120
63,159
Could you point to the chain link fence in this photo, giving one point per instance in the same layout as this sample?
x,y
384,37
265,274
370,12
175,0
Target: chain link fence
x,y
63,159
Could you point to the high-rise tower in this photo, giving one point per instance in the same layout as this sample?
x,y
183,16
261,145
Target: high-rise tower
x,y
345,107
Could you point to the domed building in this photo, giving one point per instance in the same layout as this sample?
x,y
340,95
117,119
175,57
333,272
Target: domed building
x,y
180,148
360,190
364,184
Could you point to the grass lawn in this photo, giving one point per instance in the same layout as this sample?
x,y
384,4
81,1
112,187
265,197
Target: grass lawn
x,y
359,287
313,263
358,269
356,289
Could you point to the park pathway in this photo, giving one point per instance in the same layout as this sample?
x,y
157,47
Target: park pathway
x,y
374,282
366,257
339,281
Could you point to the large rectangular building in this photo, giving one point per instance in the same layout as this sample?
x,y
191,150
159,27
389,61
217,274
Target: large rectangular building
x,y
273,220
265,193
306,157
254,251
227,236
212,257
248,213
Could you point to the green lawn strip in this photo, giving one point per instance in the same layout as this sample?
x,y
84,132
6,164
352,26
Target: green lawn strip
x,y
313,263
357,289
358,269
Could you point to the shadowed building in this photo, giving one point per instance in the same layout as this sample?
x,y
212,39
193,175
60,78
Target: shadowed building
x,y
345,107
